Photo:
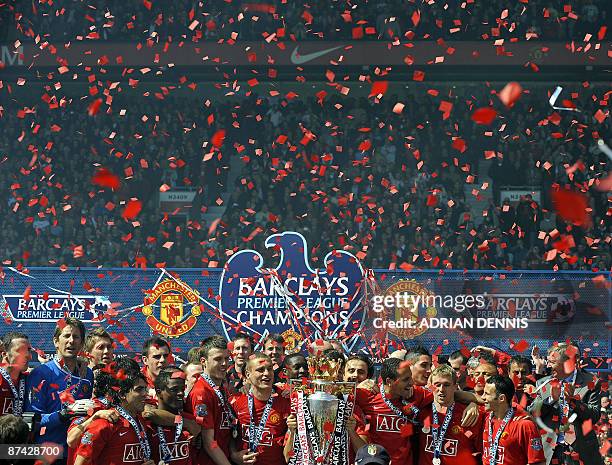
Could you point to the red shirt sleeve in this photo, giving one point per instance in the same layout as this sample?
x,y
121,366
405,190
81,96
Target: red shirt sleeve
x,y
531,441
94,439
421,397
203,406
362,397
361,428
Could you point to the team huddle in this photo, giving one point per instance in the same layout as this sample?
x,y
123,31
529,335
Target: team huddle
x,y
229,405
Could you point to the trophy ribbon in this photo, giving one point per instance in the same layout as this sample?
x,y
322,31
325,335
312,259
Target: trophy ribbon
x,y
300,412
341,440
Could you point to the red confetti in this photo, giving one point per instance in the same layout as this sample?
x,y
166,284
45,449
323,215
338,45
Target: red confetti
x,y
379,88
94,107
510,94
104,178
484,116
218,138
571,206
132,209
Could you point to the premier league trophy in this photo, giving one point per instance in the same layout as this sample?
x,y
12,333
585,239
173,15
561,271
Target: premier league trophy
x,y
322,406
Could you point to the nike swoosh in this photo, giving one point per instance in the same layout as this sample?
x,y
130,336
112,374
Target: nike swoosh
x,y
124,433
298,59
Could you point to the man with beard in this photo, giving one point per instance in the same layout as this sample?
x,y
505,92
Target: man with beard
x,y
208,403
13,372
173,443
444,441
509,437
567,399
125,441
458,361
99,348
60,389
262,416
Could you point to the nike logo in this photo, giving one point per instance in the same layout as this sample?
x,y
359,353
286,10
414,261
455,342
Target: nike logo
x,y
124,433
298,59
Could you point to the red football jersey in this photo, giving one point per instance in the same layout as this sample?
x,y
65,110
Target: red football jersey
x,y
205,406
460,444
71,455
105,443
520,443
7,398
273,440
360,428
388,429
182,453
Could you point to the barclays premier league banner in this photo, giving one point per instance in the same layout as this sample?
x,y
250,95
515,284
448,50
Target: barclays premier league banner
x,y
368,310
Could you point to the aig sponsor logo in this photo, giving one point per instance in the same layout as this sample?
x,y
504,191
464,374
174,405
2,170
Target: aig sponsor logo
x,y
178,450
133,453
389,423
8,406
266,439
449,447
225,421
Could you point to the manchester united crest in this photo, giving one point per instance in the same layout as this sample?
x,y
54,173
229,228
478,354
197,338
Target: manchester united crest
x,y
293,341
410,308
274,418
173,295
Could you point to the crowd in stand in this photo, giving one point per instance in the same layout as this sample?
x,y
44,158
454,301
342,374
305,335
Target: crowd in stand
x,y
67,20
346,171
215,407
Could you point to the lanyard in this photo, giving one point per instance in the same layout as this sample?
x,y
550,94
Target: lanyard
x,y
163,444
438,439
18,395
68,379
495,445
220,395
394,409
256,432
139,430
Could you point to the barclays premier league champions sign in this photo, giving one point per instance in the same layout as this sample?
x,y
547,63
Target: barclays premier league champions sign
x,y
292,298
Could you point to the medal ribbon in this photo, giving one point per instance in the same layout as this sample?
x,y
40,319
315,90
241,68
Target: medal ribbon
x,y
394,409
19,395
163,444
438,439
57,361
256,432
495,445
221,397
139,430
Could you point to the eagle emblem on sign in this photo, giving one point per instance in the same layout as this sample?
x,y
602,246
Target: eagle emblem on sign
x,y
293,298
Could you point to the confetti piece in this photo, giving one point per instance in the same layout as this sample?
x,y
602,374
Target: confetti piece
x,y
94,107
484,116
510,94
571,206
218,138
104,178
132,209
